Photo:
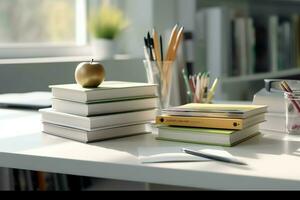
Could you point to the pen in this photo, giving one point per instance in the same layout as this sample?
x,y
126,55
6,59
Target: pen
x,y
149,46
213,157
161,49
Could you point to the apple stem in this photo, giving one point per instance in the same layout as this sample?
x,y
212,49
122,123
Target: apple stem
x,y
92,61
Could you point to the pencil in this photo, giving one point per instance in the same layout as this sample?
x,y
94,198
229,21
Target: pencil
x,y
197,98
284,85
206,87
187,85
211,92
178,40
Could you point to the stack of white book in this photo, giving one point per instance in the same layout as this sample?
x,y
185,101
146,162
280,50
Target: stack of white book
x,y
114,109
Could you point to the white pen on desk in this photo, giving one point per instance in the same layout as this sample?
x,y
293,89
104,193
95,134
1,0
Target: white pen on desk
x,y
213,157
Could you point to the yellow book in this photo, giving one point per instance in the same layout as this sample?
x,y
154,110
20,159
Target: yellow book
x,y
216,110
210,122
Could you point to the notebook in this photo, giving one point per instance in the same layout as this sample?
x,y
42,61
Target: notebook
x,y
221,137
216,110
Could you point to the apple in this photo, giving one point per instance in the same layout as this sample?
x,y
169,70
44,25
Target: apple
x,y
89,74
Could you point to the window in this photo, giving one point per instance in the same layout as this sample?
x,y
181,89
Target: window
x,y
54,28
34,24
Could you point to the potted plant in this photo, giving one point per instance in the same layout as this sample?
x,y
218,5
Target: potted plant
x,y
105,24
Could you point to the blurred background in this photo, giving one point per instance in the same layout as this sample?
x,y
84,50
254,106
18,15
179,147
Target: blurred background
x,y
241,42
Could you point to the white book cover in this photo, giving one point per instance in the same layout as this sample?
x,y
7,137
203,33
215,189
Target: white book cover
x,y
94,109
94,135
108,90
102,121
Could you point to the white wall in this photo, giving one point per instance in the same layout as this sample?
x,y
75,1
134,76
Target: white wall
x,y
37,76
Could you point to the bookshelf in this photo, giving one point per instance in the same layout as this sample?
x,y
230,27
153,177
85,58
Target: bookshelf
x,y
261,76
244,42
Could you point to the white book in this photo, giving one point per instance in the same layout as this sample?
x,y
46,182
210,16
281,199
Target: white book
x,y
240,37
90,123
93,109
250,42
108,90
94,135
273,42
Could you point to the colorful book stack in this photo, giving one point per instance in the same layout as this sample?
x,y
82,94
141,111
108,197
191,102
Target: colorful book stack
x,y
214,124
114,109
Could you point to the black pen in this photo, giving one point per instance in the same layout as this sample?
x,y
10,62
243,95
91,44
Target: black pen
x,y
150,47
213,157
161,49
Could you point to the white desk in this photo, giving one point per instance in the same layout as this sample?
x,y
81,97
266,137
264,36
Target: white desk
x,y
273,159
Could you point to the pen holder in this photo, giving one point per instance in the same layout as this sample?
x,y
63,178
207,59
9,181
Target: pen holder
x,y
292,110
160,73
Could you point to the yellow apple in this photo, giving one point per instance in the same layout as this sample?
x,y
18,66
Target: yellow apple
x,y
89,74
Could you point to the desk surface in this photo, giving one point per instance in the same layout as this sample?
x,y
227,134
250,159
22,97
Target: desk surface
x,y
273,158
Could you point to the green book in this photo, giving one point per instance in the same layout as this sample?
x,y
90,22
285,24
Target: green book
x,y
218,137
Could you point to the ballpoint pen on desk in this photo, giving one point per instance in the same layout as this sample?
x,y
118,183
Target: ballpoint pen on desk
x,y
213,157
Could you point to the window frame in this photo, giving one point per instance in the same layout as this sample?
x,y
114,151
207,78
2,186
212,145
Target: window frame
x,y
80,48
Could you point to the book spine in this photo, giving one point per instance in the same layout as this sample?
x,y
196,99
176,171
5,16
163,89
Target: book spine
x,y
233,124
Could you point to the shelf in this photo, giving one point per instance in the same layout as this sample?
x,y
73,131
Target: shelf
x,y
261,76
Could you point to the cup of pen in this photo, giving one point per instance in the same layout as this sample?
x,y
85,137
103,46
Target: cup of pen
x,y
292,110
160,73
